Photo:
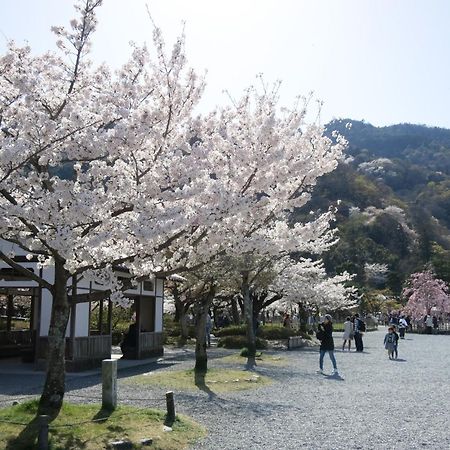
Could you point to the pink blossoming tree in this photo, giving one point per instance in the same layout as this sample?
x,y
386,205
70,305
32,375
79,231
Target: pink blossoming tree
x,y
424,291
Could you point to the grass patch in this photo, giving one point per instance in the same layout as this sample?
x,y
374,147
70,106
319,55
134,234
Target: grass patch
x,y
262,360
215,380
126,422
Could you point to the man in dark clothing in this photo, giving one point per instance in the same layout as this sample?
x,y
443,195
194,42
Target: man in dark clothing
x,y
325,335
358,334
128,345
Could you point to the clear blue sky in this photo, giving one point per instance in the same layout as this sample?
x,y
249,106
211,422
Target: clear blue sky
x,y
384,61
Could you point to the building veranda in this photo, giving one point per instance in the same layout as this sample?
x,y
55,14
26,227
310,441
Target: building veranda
x,y
88,335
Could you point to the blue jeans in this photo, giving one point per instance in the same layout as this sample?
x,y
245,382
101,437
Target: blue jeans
x,y
333,359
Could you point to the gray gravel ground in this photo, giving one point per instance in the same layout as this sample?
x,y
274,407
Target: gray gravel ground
x,y
379,404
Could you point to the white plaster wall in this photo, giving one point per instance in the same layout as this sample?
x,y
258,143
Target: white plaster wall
x,y
46,309
82,320
159,287
158,314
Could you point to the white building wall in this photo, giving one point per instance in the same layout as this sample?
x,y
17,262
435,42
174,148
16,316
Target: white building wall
x,y
158,314
46,311
82,320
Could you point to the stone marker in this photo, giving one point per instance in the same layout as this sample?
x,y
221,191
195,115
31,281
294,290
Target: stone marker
x,y
109,383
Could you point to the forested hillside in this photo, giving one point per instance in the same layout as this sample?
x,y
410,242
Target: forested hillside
x,y
393,200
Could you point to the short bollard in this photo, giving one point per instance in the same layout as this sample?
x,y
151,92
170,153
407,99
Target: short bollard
x,y
109,384
42,443
170,407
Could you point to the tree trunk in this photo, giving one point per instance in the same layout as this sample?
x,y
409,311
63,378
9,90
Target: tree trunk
x,y
248,311
53,393
201,310
302,317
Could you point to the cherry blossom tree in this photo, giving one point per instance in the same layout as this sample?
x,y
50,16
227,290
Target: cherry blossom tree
x,y
95,166
306,282
97,169
424,292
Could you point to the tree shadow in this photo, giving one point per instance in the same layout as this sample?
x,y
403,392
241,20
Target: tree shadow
x,y
199,380
103,414
26,438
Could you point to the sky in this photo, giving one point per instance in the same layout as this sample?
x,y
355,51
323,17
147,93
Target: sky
x,y
382,61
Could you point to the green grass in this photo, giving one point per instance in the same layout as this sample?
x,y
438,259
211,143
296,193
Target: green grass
x,y
263,360
126,422
215,380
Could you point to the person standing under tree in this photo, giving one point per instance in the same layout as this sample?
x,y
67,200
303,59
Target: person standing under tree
x,y
348,333
359,329
287,321
325,336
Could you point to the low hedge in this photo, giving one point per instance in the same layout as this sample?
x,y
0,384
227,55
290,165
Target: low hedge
x,y
232,330
240,342
268,332
273,333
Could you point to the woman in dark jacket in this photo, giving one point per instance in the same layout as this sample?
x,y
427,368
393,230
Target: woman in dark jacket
x,y
325,335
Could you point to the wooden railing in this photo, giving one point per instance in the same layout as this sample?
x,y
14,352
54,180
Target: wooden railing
x,y
92,347
151,341
87,347
16,337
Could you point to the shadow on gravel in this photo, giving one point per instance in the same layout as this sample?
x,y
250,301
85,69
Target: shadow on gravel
x,y
199,380
334,378
399,360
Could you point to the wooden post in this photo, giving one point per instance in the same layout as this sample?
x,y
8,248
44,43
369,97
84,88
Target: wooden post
x,y
137,302
9,311
109,383
170,406
42,443
100,318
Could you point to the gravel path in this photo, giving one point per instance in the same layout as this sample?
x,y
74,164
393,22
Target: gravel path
x,y
378,404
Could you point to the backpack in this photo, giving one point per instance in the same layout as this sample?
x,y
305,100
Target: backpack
x,y
362,326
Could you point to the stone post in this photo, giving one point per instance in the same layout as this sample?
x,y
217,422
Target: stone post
x,y
42,443
109,383
170,403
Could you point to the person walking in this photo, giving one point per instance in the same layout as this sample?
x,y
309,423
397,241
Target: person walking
x,y
402,326
359,328
287,321
429,323
389,342
348,333
396,340
325,335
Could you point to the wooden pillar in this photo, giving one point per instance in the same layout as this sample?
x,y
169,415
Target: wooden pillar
x,y
100,317
137,302
73,319
38,313
109,330
33,300
9,311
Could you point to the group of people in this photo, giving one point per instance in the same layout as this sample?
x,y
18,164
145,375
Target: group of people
x,y
354,328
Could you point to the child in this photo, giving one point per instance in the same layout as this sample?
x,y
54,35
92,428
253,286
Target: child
x,y
396,337
389,342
